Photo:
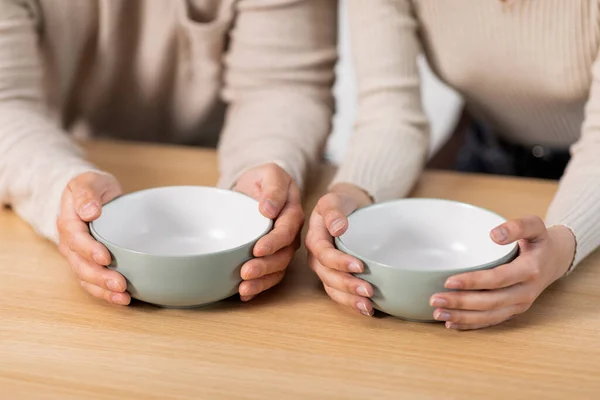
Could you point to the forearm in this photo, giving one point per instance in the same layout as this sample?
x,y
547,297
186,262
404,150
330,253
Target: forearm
x,y
576,205
289,130
37,160
389,146
577,201
279,76
384,164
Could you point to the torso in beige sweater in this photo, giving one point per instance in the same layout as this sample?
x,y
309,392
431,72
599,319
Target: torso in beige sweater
x,y
528,68
156,70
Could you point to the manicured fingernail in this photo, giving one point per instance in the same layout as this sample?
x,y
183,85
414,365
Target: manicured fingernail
x,y
362,291
114,286
438,302
441,315
89,209
99,259
119,299
453,284
355,267
363,309
450,325
337,226
270,208
499,234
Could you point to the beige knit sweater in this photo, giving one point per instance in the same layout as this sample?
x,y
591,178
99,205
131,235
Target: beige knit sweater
x,y
529,68
153,70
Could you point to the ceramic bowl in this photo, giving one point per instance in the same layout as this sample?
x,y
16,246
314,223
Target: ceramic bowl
x,y
180,246
410,247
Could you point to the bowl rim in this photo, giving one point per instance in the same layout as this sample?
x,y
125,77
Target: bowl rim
x,y
491,264
107,242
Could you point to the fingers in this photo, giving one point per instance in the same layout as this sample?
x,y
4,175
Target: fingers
x,y
462,319
249,289
75,233
82,202
286,228
99,281
259,267
95,274
483,300
531,229
330,257
344,288
84,193
341,281
522,269
111,297
333,209
359,304
275,184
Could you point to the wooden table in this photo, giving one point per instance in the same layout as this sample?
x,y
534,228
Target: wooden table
x,y
58,343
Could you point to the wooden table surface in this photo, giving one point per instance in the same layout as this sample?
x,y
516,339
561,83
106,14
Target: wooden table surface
x,y
58,343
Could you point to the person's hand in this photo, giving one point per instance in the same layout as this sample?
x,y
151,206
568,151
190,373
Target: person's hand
x,y
333,267
82,202
489,297
279,199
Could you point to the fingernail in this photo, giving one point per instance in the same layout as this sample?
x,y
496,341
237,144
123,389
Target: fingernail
x,y
271,208
246,298
89,209
499,234
119,299
450,325
441,315
453,284
438,302
99,259
355,267
362,291
363,309
114,286
337,226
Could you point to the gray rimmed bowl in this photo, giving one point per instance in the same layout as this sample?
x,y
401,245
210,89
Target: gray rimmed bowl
x,y
410,247
181,246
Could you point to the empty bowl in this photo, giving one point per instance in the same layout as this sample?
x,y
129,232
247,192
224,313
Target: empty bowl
x,y
181,246
410,247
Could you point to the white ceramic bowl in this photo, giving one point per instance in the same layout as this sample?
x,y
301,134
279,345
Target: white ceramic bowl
x,y
411,246
181,246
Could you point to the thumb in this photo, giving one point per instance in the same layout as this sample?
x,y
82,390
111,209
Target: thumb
x,y
531,229
333,211
275,189
87,191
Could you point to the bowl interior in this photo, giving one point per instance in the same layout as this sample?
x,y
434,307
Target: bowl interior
x,y
181,220
426,234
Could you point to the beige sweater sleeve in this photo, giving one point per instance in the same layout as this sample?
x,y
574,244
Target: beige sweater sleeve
x,y
36,158
280,70
389,146
577,201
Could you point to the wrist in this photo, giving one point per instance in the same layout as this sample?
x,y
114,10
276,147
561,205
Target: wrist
x,y
360,196
564,241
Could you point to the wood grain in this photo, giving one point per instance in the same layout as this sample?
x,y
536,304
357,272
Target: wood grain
x,y
58,343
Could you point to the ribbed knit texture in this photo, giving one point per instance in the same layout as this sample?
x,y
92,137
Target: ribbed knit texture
x,y
153,70
527,68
